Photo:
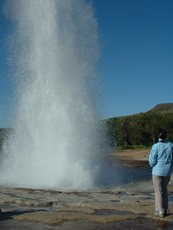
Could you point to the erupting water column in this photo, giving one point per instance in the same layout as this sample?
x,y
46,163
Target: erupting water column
x,y
55,141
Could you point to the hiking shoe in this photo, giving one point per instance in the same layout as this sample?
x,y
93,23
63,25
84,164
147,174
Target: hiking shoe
x,y
161,214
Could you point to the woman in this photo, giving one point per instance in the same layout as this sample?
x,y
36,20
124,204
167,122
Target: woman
x,y
161,161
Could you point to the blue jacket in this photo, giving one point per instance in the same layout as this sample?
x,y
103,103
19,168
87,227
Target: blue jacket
x,y
161,158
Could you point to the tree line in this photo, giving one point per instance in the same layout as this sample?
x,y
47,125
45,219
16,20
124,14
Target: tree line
x,y
130,131
139,130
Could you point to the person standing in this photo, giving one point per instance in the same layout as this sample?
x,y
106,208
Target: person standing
x,y
161,161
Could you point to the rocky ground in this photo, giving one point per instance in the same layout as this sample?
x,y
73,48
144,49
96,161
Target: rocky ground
x,y
130,206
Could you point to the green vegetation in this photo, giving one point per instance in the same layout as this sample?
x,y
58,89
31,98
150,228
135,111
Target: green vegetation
x,y
163,108
140,130
135,131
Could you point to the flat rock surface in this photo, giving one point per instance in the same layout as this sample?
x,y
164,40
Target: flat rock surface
x,y
127,207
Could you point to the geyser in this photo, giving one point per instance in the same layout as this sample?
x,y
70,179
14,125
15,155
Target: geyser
x,y
55,142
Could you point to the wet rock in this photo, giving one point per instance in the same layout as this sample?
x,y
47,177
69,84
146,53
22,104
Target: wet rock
x,y
119,206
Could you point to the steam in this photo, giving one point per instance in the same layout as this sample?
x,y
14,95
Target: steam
x,y
56,138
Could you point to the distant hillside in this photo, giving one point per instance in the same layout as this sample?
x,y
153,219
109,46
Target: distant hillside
x,y
163,108
134,130
141,129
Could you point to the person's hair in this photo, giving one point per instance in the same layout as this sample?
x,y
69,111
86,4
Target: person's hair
x,y
162,134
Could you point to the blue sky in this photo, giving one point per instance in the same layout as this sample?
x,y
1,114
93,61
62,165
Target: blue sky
x,y
136,60
7,85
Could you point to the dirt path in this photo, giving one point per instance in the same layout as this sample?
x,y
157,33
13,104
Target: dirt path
x,y
133,157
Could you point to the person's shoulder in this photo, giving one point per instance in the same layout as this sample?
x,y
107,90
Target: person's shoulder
x,y
158,145
169,143
155,145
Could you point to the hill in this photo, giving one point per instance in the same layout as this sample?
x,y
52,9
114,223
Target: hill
x,y
134,130
141,129
163,108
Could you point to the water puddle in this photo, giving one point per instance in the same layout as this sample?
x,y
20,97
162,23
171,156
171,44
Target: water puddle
x,y
108,212
139,223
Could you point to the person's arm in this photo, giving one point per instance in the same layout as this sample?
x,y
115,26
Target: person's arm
x,y
153,157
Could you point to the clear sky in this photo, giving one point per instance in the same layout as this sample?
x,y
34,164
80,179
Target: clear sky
x,y
6,73
136,59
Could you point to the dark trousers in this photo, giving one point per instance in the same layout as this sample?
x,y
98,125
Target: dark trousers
x,y
161,192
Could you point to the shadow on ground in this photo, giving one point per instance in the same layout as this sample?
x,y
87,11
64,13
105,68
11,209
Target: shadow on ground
x,y
9,215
